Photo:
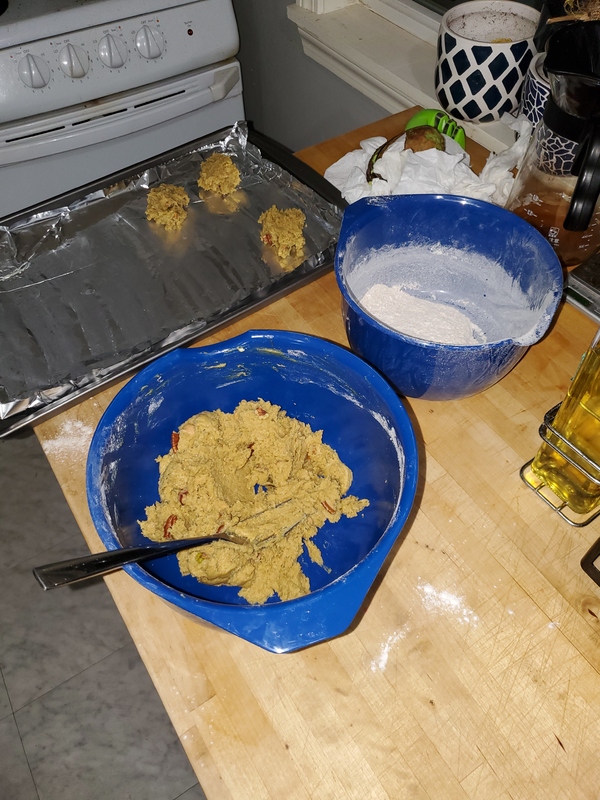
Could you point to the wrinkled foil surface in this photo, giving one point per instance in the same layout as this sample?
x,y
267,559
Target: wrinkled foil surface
x,y
90,289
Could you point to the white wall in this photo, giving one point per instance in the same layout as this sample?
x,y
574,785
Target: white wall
x,y
287,95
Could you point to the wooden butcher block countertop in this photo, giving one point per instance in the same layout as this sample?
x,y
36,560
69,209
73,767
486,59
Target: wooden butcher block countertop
x,y
472,671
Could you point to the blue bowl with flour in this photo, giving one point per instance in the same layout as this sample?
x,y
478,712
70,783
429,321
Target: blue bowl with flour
x,y
443,294
313,380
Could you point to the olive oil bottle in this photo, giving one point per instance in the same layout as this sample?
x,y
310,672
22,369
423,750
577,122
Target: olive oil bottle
x,y
578,421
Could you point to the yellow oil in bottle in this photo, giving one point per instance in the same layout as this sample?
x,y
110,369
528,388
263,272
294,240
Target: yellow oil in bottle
x,y
578,420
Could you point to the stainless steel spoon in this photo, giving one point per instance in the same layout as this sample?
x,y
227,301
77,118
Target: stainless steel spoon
x,y
72,570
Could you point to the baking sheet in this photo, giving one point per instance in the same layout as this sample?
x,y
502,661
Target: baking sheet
x,y
89,289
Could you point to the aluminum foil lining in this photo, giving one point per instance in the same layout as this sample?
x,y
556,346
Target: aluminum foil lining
x,y
89,288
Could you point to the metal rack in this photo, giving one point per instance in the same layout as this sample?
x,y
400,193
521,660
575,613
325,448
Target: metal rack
x,y
544,491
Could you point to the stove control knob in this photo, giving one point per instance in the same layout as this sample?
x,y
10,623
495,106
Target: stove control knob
x,y
34,72
112,51
149,42
74,61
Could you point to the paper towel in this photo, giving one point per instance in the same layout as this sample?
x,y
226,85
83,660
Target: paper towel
x,y
430,171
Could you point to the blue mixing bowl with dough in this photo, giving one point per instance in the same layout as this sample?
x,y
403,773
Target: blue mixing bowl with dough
x,y
446,255
313,380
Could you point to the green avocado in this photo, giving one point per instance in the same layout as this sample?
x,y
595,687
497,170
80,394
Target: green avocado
x,y
424,138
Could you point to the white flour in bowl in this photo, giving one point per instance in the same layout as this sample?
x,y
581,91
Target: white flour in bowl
x,y
423,319
443,294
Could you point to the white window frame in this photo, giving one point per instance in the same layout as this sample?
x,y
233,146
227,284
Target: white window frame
x,y
406,14
393,64
410,16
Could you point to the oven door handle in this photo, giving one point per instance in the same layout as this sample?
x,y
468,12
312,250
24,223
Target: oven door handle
x,y
120,115
225,81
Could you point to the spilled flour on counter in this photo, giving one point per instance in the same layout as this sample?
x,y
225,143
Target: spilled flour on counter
x,y
444,602
423,319
71,441
380,663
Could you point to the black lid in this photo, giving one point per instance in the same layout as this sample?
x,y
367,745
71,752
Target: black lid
x,y
550,10
574,50
572,64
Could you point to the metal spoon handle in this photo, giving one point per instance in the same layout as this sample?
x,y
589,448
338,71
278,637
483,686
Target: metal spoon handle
x,y
73,570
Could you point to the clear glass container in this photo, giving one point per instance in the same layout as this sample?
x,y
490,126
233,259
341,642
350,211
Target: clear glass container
x,y
542,194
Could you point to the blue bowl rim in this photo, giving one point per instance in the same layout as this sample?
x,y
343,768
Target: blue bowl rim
x,y
459,200
371,563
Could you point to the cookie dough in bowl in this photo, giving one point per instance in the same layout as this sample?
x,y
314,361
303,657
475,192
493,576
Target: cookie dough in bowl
x,y
321,385
258,473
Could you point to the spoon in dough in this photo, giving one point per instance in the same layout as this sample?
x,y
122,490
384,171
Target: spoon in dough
x,y
73,570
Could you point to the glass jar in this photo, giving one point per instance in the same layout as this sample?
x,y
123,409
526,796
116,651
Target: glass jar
x,y
542,193
570,465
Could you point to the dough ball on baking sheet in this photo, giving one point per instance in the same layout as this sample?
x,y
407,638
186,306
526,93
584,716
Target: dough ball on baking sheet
x,y
219,174
167,205
282,229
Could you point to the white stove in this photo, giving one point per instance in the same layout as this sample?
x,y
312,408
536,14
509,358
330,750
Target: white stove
x,y
89,87
29,20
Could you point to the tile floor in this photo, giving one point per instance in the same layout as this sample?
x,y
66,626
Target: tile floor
x,y
79,716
